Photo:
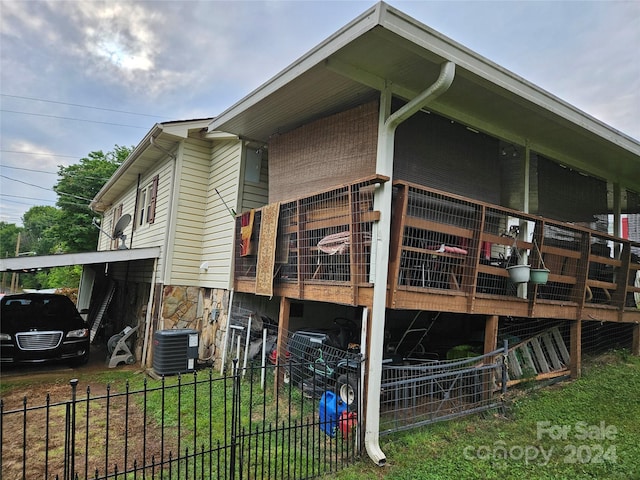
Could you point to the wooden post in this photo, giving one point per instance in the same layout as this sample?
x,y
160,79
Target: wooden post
x,y
576,349
635,342
281,347
15,279
490,334
490,344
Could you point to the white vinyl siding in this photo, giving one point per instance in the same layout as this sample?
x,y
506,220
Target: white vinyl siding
x,y
202,227
217,244
189,216
145,235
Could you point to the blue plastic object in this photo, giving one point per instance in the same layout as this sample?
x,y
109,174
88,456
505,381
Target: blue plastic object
x,y
331,407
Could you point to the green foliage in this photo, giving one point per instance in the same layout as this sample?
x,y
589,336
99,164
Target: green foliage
x,y
8,239
76,187
64,277
38,236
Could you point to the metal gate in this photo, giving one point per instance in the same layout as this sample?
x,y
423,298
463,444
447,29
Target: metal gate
x,y
419,392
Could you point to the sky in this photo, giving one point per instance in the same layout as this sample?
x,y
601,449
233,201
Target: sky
x,y
82,76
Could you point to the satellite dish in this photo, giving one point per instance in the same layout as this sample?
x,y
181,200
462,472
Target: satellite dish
x,y
121,224
118,230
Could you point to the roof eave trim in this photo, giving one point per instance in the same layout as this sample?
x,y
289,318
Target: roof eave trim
x,y
95,204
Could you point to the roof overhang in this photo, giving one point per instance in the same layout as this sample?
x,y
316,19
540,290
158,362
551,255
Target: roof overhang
x,y
383,47
19,264
158,143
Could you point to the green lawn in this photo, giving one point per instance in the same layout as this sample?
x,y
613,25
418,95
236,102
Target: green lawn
x,y
585,429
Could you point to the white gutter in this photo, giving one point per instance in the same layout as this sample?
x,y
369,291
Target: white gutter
x,y
96,204
383,197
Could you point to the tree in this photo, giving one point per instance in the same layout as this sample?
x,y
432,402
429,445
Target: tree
x,y
77,185
8,239
39,223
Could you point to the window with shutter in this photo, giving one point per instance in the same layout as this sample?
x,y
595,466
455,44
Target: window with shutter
x,y
147,203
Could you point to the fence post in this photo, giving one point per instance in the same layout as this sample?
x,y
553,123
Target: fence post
x,y
70,433
504,367
235,415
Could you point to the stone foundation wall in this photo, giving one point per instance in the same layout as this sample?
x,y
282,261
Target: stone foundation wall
x,y
201,309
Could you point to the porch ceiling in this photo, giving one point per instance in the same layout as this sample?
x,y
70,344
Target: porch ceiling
x,y
386,46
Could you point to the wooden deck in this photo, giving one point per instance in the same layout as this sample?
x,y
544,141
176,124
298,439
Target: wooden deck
x,y
447,253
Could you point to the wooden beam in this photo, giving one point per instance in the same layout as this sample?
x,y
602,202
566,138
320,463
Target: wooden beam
x,y
490,334
281,347
635,342
575,365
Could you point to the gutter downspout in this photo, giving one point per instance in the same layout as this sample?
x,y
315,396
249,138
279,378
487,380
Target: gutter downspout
x,y
383,198
170,214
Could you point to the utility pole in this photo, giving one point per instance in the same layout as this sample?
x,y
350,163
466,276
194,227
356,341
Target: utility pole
x,y
14,275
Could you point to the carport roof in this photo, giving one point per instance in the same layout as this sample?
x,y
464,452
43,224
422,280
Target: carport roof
x,y
383,47
18,264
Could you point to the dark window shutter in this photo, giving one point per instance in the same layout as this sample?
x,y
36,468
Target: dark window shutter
x,y
112,225
154,195
116,216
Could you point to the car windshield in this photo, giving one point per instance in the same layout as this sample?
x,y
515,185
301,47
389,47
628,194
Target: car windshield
x,y
30,308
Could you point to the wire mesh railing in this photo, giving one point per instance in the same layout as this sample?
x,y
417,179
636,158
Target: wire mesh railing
x,y
440,244
455,246
420,392
325,237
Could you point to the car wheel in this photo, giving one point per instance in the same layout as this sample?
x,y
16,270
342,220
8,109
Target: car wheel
x,y
347,386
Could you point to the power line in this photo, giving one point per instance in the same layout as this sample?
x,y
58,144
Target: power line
x,y
25,198
70,118
27,183
103,179
40,153
79,105
38,200
48,189
30,170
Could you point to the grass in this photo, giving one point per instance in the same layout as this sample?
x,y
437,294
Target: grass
x,y
585,429
190,413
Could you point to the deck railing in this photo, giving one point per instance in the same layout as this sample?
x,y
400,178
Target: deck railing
x,y
446,253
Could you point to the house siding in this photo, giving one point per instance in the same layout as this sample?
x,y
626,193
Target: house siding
x,y
189,219
147,235
153,235
223,174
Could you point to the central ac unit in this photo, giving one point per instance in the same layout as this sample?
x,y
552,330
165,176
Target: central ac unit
x,y
175,351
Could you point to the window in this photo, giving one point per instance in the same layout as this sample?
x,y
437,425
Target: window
x,y
146,209
142,205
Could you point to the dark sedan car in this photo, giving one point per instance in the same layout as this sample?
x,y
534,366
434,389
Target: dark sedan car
x,y
36,327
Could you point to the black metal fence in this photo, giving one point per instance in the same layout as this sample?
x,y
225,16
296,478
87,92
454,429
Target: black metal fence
x,y
252,424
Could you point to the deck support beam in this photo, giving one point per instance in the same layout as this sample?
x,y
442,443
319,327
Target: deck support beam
x,y
281,348
576,349
490,334
635,341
